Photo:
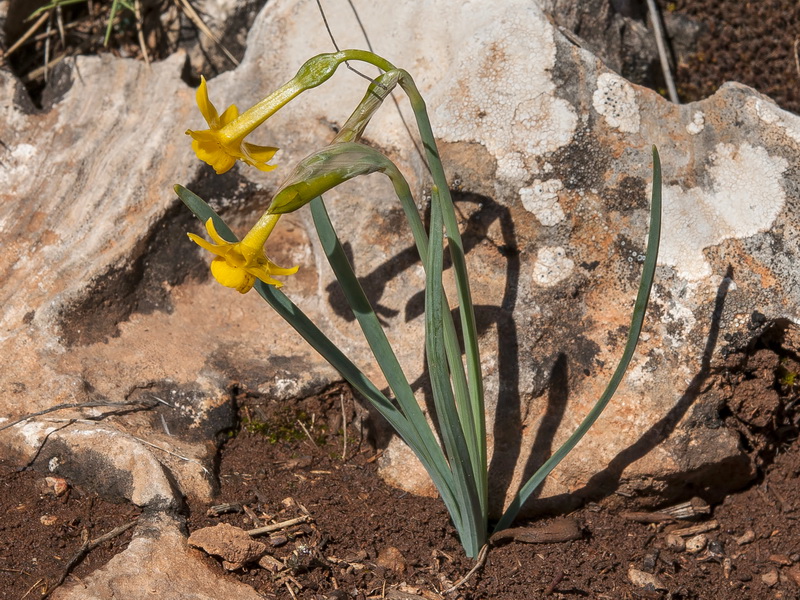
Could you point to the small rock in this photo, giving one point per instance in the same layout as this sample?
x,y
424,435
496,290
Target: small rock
x,y
727,567
270,563
747,537
793,574
696,544
645,580
56,485
780,559
48,520
232,544
649,562
714,552
675,542
770,578
391,558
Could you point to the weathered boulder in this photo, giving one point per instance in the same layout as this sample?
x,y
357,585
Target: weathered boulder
x,y
106,301
157,563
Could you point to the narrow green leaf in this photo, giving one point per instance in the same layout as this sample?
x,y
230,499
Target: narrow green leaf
x,y
352,374
424,443
474,530
301,323
646,284
471,408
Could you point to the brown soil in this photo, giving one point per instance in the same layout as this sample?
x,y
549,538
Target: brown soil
x,y
369,540
367,537
755,43
43,529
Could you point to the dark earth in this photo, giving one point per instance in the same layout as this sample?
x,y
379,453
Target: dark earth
x,y
365,539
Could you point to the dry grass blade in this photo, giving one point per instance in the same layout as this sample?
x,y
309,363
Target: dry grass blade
x,y
278,526
15,46
195,18
797,56
137,11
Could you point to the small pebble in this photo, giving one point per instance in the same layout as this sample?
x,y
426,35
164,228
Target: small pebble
x,y
57,485
649,562
714,552
48,520
391,558
645,580
747,537
770,578
675,542
780,559
696,543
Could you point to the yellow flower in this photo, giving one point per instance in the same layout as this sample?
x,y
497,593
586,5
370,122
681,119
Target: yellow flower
x,y
238,265
223,143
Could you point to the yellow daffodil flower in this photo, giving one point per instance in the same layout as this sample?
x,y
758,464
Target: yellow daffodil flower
x,y
221,145
238,265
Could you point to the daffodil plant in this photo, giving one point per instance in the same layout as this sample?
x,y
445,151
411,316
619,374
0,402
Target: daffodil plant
x,y
458,464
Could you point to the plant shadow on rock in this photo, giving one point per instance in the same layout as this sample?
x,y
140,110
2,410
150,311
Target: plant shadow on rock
x,y
755,393
474,232
575,359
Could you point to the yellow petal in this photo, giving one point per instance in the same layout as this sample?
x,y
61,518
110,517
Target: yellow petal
x,y
229,115
260,153
212,231
276,270
257,156
204,244
264,275
204,104
212,153
232,277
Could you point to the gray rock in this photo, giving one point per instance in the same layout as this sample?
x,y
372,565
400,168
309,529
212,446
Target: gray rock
x,y
157,563
549,153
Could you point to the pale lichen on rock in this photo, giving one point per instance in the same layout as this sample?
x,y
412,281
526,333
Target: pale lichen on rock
x,y
541,198
744,196
615,99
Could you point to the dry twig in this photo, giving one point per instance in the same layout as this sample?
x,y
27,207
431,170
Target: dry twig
x,y
74,405
344,427
303,427
663,56
190,12
277,526
797,55
87,547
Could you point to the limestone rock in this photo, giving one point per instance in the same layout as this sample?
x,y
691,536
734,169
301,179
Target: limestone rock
x,y
550,155
157,563
105,301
